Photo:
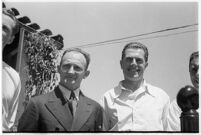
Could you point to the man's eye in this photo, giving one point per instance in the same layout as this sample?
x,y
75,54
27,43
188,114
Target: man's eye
x,y
77,68
129,59
194,68
139,61
66,66
4,28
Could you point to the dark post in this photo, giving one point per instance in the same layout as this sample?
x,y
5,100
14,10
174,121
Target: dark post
x,y
188,101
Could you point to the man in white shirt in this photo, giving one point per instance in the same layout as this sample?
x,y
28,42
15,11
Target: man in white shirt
x,y
174,110
135,105
10,78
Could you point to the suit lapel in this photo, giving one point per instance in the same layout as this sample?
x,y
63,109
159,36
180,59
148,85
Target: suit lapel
x,y
82,114
59,108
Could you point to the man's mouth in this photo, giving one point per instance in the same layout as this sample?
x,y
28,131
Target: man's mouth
x,y
136,74
70,79
196,80
134,71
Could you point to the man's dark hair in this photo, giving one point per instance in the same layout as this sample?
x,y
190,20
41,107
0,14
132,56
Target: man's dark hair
x,y
86,55
193,55
136,45
10,13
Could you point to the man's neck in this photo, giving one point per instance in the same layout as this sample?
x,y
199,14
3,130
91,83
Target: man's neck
x,y
132,85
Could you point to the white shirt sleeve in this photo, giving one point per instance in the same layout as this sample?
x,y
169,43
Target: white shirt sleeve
x,y
165,114
10,97
173,120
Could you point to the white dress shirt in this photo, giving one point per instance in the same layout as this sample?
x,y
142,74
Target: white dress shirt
x,y
10,96
67,92
143,110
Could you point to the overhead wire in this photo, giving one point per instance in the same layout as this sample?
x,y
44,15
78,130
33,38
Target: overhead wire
x,y
152,37
134,36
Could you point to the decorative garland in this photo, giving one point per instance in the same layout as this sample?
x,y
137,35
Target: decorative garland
x,y
41,59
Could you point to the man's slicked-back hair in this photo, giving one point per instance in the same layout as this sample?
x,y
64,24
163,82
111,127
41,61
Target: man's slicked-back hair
x,y
10,13
193,55
136,45
86,55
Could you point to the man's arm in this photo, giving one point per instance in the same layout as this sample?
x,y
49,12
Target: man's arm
x,y
15,103
173,117
29,119
10,103
103,103
165,114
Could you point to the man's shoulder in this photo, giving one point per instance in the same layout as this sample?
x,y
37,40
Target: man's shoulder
x,y
156,91
43,98
174,107
91,101
113,91
111,94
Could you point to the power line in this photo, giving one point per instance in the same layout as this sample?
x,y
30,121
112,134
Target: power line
x,y
149,33
152,37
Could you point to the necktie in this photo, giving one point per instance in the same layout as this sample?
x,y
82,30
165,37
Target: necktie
x,y
72,103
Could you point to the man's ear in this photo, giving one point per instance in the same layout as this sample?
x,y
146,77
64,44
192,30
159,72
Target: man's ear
x,y
121,63
86,74
11,39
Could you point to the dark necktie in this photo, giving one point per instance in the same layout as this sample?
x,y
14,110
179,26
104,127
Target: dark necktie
x,y
72,103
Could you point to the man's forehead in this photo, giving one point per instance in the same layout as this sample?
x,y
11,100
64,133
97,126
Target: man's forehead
x,y
134,51
73,53
74,56
8,20
134,48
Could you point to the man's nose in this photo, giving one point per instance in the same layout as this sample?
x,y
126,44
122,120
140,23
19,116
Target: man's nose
x,y
71,70
133,62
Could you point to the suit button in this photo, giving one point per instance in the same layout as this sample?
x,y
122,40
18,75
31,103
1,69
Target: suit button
x,y
56,129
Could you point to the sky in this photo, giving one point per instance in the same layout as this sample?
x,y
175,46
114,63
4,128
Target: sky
x,y
83,23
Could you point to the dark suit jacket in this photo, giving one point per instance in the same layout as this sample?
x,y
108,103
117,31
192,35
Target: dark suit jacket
x,y
50,112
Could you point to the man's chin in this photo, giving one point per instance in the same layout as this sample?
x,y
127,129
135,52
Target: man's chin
x,y
195,83
134,79
71,87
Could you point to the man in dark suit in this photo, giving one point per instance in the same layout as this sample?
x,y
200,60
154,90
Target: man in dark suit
x,y
65,108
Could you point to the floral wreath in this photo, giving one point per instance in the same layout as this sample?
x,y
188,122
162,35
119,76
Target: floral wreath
x,y
41,56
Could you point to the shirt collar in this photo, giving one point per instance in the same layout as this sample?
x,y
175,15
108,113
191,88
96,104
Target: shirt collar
x,y
142,89
67,92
